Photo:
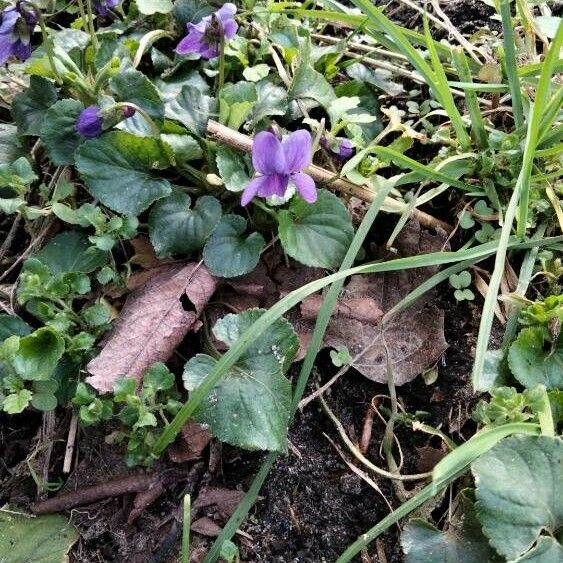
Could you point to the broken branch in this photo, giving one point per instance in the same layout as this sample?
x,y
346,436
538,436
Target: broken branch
x,y
243,143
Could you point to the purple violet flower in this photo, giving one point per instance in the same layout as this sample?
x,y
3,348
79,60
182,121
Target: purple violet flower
x,y
278,162
340,147
204,38
103,6
90,122
346,149
16,26
128,111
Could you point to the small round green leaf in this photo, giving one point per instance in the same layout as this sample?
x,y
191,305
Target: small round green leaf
x,y
174,228
58,132
44,401
316,234
38,354
119,168
70,252
229,252
518,485
533,360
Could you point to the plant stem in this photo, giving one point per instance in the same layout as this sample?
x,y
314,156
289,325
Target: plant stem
x,y
90,20
221,81
46,42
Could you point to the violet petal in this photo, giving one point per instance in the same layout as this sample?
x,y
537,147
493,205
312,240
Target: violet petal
x,y
297,149
252,189
267,154
305,186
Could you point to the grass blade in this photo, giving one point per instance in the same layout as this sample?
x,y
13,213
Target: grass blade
x,y
510,63
449,469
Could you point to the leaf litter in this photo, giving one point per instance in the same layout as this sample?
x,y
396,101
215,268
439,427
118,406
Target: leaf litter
x,y
153,322
414,338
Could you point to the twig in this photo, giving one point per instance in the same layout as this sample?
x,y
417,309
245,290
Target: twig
x,y
69,451
243,143
87,495
9,237
368,427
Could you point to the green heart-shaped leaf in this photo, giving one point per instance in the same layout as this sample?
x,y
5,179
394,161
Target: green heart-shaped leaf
x,y
29,107
316,234
58,132
174,228
533,360
133,86
71,252
38,354
118,170
517,492
249,408
236,103
229,252
461,280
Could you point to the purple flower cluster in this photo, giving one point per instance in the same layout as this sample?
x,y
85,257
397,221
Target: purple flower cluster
x,y
104,6
204,38
16,26
280,162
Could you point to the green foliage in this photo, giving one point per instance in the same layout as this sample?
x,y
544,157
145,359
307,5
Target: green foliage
x,y
174,228
463,542
516,481
120,158
29,107
249,408
316,234
141,414
460,282
45,539
536,357
229,252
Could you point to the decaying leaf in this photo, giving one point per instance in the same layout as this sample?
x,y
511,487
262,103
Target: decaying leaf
x,y
206,527
218,500
154,320
193,439
414,338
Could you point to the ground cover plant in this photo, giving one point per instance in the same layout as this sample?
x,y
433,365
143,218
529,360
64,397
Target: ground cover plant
x,y
281,281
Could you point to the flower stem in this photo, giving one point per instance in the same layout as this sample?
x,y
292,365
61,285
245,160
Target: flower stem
x,y
154,127
221,81
46,41
88,21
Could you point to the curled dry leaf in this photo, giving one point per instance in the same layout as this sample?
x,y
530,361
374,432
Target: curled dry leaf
x,y
154,320
414,338
193,439
217,500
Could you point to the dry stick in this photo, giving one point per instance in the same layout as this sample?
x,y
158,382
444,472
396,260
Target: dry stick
x,y
69,451
242,142
10,237
88,495
368,427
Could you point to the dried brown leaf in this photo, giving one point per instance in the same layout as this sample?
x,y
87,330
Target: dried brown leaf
x,y
206,527
218,500
192,441
154,320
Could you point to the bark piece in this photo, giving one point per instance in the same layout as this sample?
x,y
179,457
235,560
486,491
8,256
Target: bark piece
x,y
154,320
206,527
218,500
